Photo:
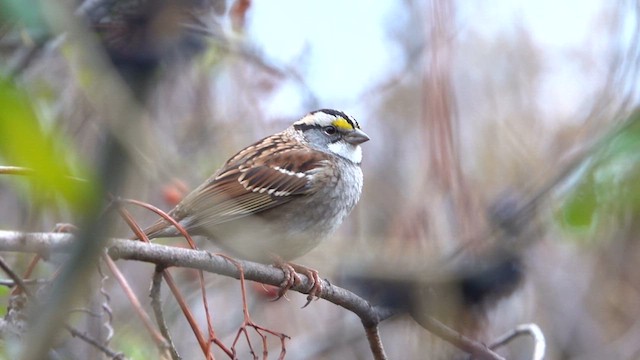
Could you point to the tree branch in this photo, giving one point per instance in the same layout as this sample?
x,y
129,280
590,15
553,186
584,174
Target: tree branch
x,y
170,256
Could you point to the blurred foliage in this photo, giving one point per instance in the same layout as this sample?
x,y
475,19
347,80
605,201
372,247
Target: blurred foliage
x,y
4,293
134,345
609,189
26,13
24,142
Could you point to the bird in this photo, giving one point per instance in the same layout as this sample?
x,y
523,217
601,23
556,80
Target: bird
x,y
277,199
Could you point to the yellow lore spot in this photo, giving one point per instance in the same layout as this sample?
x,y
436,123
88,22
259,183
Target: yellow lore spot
x,y
341,123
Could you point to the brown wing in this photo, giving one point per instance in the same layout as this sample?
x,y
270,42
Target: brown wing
x,y
258,178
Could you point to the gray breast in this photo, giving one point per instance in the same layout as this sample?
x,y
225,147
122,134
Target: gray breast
x,y
293,229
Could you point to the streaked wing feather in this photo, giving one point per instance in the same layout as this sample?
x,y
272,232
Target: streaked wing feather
x,y
250,186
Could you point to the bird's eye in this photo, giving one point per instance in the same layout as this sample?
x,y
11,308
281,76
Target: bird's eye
x,y
330,130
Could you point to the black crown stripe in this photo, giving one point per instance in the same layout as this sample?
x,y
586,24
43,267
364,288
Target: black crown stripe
x,y
338,113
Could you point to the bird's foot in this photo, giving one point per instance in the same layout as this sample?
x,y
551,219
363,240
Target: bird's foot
x,y
291,279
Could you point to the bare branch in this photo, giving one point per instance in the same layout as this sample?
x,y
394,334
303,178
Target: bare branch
x,y
375,343
15,277
168,256
156,304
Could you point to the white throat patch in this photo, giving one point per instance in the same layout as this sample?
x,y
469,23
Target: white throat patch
x,y
346,150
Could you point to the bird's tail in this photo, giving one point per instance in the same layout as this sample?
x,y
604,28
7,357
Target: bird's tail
x,y
160,228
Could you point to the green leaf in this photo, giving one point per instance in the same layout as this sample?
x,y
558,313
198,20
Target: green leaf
x,y
609,191
23,142
4,294
579,210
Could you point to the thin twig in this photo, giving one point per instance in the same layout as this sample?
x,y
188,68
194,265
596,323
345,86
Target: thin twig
x,y
106,308
204,344
15,170
247,322
133,299
76,333
532,330
79,334
156,305
24,171
475,348
11,283
27,274
15,277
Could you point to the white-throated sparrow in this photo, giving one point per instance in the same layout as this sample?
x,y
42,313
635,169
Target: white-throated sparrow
x,y
278,198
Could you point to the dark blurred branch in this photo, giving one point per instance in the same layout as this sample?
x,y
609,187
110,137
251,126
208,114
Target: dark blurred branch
x,y
168,256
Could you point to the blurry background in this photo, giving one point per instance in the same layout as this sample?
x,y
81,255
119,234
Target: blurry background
x,y
467,103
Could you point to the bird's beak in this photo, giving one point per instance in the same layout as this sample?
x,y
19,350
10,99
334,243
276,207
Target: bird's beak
x,y
356,137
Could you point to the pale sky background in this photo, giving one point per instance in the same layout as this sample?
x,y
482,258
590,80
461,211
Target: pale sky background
x,y
346,45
